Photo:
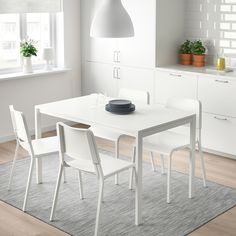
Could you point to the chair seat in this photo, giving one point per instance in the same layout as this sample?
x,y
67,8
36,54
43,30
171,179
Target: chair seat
x,y
44,146
105,133
166,142
110,165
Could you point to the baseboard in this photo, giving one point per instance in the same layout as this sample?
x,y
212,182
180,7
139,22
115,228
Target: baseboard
x,y
230,156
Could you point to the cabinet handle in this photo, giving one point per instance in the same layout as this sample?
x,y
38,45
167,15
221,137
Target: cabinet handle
x,y
118,56
175,75
117,73
219,118
222,81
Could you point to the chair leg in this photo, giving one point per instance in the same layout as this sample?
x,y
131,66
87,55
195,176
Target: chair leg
x,y
131,176
81,193
56,192
13,165
162,164
100,197
64,174
190,174
202,164
169,177
117,156
152,161
28,182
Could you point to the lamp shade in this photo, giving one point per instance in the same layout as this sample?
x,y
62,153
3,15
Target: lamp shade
x,y
112,21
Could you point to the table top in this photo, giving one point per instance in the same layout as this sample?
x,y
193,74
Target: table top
x,y
90,110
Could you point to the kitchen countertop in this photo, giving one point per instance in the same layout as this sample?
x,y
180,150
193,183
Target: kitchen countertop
x,y
206,71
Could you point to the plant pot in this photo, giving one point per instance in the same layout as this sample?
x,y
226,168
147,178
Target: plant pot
x,y
199,60
186,59
27,65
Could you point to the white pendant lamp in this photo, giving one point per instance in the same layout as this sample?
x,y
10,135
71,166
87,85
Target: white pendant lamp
x,y
112,21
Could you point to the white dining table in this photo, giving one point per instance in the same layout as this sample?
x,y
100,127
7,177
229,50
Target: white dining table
x,y
146,120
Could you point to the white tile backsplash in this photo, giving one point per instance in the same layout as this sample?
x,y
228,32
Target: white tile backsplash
x,y
214,22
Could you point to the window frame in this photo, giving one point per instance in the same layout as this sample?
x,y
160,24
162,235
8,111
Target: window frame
x,y
23,34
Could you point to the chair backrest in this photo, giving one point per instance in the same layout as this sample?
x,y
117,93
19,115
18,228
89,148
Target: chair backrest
x,y
134,95
78,144
19,125
186,104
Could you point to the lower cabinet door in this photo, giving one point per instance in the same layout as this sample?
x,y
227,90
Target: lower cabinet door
x,y
219,133
99,78
136,78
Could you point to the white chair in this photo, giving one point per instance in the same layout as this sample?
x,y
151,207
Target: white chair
x,y
37,148
136,96
80,146
166,143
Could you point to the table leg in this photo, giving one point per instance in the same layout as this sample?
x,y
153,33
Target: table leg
x,y
192,157
38,134
138,179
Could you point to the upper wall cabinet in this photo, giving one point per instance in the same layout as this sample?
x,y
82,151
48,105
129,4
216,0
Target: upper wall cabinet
x,y
158,26
94,49
139,50
134,51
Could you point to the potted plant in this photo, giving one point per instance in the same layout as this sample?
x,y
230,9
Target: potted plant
x,y
27,49
185,53
198,51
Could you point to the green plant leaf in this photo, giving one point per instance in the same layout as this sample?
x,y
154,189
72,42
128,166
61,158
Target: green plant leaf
x,y
186,47
27,48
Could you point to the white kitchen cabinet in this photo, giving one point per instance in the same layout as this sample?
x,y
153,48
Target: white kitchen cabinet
x,y
217,95
134,51
156,39
108,79
219,134
100,78
137,78
139,50
174,84
95,49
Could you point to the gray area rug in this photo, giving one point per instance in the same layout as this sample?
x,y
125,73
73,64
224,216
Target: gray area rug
x,y
77,217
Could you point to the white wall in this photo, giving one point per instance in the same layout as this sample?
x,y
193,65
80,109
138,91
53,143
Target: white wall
x,y
215,23
72,42
24,93
169,30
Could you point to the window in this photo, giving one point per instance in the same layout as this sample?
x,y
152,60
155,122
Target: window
x,y
9,41
14,28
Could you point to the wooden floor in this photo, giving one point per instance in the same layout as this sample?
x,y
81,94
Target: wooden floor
x,y
220,170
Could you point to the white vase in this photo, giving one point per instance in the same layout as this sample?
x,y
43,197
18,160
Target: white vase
x,y
27,65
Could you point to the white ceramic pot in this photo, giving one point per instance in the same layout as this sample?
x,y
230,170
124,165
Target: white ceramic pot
x,y
27,65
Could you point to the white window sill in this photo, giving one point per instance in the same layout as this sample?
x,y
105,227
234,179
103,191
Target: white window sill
x,y
36,73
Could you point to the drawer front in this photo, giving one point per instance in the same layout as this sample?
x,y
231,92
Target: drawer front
x,y
219,133
217,95
174,84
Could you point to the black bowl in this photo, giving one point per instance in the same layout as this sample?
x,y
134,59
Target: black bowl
x,y
119,104
120,111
